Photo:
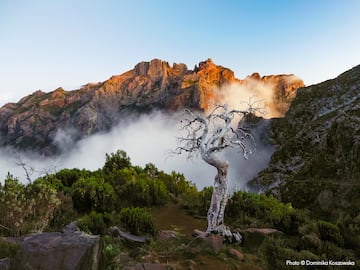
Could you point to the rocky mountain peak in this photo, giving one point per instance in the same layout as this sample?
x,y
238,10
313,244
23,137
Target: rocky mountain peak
x,y
154,69
255,76
205,65
35,120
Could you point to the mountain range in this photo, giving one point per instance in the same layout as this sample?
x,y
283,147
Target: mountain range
x,y
33,122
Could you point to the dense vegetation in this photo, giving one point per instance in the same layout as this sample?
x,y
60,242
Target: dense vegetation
x,y
317,161
120,194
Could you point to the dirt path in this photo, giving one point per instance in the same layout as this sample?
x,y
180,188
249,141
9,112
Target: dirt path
x,y
171,216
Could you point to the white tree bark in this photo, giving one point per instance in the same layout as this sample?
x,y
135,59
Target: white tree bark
x,y
208,135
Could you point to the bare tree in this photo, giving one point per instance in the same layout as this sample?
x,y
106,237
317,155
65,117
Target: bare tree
x,y
208,135
28,169
31,171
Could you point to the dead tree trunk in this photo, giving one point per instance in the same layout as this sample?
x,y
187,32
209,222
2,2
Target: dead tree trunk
x,y
207,135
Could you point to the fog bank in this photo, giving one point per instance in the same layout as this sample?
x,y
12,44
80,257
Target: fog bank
x,y
148,138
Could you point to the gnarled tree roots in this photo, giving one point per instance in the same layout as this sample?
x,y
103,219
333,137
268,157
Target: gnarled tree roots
x,y
226,233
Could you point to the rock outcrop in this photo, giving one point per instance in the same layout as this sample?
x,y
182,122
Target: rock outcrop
x,y
36,122
69,250
317,163
4,264
282,87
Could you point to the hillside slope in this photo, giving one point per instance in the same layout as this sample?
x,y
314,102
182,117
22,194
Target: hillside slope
x,y
317,164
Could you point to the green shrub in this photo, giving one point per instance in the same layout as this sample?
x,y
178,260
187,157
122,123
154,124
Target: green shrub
x,y
94,223
64,214
145,191
120,178
176,184
261,210
14,207
93,194
111,248
69,176
335,252
311,241
197,203
137,221
25,208
8,249
350,230
116,161
330,232
276,251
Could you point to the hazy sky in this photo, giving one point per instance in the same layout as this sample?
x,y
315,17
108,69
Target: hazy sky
x,y
47,44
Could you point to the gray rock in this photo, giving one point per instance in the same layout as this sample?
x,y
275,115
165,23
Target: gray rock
x,y
58,251
4,264
115,231
212,242
262,231
71,228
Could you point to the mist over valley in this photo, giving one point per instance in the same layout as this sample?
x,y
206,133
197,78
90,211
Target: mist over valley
x,y
138,112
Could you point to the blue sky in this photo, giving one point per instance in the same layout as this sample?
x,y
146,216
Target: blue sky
x,y
47,44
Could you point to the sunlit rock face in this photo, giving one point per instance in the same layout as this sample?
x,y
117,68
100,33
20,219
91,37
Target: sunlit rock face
x,y
35,122
317,163
284,88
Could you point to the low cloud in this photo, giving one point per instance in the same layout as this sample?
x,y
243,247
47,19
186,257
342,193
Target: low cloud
x,y
256,92
146,138
240,95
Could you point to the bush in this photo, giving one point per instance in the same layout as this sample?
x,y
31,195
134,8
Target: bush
x,y
198,203
335,252
120,178
94,223
330,232
69,176
116,161
145,191
93,194
350,230
26,208
276,251
8,249
176,184
260,210
14,208
137,221
111,248
64,214
44,200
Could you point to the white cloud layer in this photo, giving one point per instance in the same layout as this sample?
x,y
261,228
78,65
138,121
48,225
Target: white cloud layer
x,y
148,138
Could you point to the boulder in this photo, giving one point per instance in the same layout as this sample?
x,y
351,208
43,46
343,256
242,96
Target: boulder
x,y
262,231
69,250
253,237
237,254
4,264
167,235
212,242
115,231
198,233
